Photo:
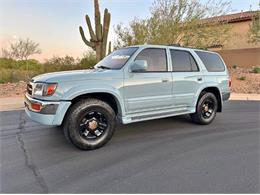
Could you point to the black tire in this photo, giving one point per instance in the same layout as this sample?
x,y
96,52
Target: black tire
x,y
79,119
206,109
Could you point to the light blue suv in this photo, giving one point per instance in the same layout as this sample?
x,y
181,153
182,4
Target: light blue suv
x,y
131,84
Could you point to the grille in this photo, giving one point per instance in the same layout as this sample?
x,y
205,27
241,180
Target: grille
x,y
29,88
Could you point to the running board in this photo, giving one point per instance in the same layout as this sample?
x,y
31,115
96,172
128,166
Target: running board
x,y
146,117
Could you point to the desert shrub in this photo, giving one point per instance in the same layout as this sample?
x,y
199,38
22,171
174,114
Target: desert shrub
x,y
255,69
7,63
242,78
234,66
15,70
14,75
33,65
67,60
88,60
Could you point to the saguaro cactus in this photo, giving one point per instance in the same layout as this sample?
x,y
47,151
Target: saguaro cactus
x,y
98,39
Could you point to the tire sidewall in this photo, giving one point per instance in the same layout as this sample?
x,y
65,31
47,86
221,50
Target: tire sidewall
x,y
78,113
199,110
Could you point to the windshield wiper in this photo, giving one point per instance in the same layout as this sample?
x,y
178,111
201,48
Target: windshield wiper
x,y
104,67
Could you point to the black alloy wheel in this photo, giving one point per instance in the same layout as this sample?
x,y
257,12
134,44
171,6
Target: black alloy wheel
x,y
93,125
89,124
206,109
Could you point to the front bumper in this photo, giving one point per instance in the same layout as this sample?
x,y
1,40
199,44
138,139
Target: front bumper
x,y
45,107
50,113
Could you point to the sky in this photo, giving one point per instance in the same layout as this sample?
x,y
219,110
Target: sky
x,y
54,23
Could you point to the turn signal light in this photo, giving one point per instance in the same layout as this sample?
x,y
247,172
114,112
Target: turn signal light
x,y
36,106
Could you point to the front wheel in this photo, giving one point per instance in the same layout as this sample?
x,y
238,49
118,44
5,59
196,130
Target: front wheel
x,y
206,109
90,124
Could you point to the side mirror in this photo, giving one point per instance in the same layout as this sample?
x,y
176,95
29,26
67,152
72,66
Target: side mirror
x,y
139,66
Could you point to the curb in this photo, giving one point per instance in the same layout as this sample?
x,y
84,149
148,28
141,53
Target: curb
x,y
11,103
16,103
244,96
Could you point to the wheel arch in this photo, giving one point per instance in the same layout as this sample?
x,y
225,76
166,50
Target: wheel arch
x,y
107,97
216,92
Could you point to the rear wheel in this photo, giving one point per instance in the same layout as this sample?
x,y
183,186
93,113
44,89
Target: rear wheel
x,y
90,124
206,109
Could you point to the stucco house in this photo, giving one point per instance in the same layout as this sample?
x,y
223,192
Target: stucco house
x,y
238,50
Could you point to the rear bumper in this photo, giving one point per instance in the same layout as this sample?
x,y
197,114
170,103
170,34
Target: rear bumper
x,y
51,113
225,96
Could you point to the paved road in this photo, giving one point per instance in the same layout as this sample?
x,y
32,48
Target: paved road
x,y
167,155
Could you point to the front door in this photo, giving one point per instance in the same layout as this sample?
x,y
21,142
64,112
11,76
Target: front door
x,y
151,89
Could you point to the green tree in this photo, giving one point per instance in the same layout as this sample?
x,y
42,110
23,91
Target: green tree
x,y
177,22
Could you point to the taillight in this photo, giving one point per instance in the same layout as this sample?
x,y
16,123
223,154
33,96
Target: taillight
x,y
229,82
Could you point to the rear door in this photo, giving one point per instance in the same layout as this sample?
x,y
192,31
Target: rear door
x,y
187,77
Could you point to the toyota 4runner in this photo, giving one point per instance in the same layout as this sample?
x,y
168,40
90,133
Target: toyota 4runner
x,y
131,84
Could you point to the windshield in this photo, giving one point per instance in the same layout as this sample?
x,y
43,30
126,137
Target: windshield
x,y
116,59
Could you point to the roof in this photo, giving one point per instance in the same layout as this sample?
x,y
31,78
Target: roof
x,y
236,17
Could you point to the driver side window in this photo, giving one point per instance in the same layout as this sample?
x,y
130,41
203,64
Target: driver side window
x,y
155,58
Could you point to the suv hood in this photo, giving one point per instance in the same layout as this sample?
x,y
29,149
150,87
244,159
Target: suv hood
x,y
75,75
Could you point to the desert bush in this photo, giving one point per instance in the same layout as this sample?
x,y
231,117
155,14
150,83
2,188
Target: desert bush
x,y
67,60
33,65
15,70
15,75
69,63
242,78
234,66
255,69
7,63
88,60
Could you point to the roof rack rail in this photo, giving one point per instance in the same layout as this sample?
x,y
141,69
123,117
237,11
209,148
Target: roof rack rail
x,y
179,45
175,44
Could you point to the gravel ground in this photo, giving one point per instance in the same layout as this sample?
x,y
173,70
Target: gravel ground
x,y
12,89
251,84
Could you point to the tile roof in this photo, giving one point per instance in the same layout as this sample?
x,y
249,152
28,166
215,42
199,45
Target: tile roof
x,y
236,17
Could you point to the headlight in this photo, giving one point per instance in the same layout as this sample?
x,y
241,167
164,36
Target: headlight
x,y
44,89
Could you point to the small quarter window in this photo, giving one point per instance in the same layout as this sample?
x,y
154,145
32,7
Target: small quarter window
x,y
156,59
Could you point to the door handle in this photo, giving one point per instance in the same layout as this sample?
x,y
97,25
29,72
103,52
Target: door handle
x,y
199,79
165,80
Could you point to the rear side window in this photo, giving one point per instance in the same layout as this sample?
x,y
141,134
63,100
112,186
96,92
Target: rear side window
x,y
212,61
182,61
156,59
